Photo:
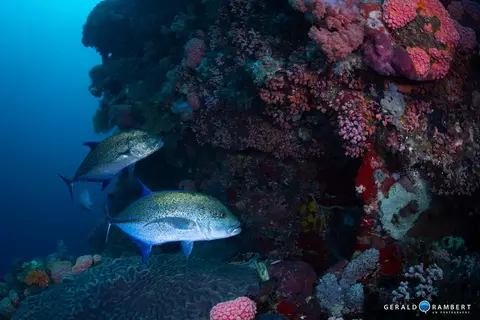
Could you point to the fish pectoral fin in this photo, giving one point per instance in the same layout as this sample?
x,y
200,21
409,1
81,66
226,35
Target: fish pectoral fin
x,y
122,156
176,222
145,249
187,247
125,153
91,145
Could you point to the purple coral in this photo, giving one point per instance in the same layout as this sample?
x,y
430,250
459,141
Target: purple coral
x,y
296,279
346,296
425,289
386,58
363,265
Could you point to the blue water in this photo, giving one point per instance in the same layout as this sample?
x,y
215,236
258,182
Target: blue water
x,y
46,115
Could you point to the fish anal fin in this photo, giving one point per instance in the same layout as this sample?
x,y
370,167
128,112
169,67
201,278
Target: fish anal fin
x,y
145,249
187,247
91,145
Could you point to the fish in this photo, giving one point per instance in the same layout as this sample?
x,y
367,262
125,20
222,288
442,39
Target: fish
x,y
85,200
110,156
174,215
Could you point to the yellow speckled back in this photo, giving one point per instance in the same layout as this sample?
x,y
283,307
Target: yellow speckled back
x,y
182,204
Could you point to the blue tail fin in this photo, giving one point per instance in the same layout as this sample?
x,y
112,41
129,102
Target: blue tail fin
x,y
69,184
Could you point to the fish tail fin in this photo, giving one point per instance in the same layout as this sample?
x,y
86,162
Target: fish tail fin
x,y
109,218
69,184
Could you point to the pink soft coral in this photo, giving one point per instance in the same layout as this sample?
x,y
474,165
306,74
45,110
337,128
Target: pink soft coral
x,y
239,309
344,32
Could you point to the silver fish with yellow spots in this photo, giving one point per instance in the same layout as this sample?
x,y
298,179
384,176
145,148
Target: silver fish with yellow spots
x,y
110,156
168,216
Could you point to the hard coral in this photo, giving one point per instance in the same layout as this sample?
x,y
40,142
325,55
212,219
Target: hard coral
x,y
421,60
397,14
9,304
159,290
418,26
59,269
239,309
85,262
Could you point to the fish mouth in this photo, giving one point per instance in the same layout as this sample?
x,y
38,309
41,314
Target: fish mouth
x,y
158,144
235,229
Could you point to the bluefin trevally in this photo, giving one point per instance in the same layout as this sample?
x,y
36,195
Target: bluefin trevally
x,y
168,216
110,156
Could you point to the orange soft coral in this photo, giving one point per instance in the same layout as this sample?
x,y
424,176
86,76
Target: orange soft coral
x,y
37,278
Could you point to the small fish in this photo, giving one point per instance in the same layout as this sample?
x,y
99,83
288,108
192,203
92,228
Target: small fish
x,y
109,157
85,200
168,216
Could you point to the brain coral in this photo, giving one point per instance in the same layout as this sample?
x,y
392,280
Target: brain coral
x,y
126,289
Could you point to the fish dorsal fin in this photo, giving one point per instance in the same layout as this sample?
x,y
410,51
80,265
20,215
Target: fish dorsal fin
x,y
176,222
187,247
145,249
91,145
145,190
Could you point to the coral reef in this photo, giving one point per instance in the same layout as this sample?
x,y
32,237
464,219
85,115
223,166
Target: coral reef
x,y
166,288
345,296
330,128
344,135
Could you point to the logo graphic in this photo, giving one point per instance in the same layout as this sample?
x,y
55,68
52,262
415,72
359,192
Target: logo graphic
x,y
424,306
